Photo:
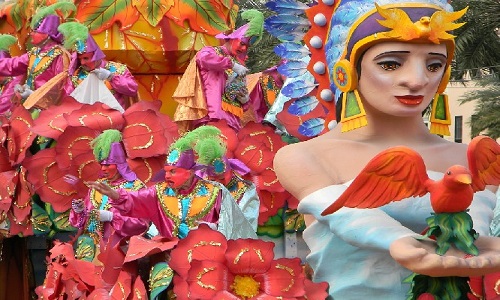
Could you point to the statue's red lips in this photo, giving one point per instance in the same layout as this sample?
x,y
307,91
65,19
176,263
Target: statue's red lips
x,y
410,100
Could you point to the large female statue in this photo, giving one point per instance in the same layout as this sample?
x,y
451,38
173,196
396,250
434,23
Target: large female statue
x,y
389,60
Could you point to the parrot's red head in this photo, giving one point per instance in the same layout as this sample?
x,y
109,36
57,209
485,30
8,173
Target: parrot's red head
x,y
457,176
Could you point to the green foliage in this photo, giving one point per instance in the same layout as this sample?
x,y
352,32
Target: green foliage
x,y
452,229
273,227
442,288
478,52
477,42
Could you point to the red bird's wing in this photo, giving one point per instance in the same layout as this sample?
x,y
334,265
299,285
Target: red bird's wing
x,y
394,174
483,154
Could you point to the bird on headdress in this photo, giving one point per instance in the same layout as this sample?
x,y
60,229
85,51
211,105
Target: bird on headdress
x,y
434,28
400,172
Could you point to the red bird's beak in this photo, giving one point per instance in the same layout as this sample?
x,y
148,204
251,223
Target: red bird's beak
x,y
464,178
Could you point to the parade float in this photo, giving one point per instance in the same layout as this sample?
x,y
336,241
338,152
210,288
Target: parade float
x,y
156,40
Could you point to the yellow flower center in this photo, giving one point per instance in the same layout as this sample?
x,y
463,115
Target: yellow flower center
x,y
245,286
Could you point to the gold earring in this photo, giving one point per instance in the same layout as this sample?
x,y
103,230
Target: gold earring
x,y
440,115
345,76
353,114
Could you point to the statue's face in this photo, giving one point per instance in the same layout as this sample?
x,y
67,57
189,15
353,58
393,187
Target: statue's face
x,y
86,62
400,78
110,172
176,177
38,38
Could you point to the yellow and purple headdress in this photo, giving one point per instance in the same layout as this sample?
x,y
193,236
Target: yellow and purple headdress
x,y
341,30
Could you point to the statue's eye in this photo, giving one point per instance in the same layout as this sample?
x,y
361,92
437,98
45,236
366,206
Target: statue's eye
x,y
448,173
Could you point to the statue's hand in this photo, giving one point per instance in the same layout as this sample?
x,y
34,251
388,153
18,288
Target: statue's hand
x,y
420,256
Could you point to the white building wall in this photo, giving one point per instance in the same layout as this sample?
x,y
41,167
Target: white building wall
x,y
455,90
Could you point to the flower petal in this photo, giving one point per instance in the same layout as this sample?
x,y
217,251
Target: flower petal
x,y
206,278
315,290
285,278
201,244
249,256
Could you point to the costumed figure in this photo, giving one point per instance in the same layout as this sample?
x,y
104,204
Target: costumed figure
x,y
7,83
47,58
95,215
182,200
88,58
217,167
214,85
388,61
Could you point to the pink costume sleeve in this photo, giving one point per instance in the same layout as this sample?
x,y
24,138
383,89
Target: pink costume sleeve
x,y
78,220
144,203
257,103
68,86
14,66
123,226
7,94
124,84
55,68
208,59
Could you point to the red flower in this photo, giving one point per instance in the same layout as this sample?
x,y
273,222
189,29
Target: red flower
x,y
208,266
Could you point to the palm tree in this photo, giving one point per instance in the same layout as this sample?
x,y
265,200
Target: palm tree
x,y
478,52
478,42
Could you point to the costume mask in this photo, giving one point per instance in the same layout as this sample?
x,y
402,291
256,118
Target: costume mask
x,y
109,172
176,177
38,38
239,49
86,61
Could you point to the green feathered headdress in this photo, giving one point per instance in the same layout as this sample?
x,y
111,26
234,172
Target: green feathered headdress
x,y
7,40
65,7
203,132
209,149
75,35
101,145
255,24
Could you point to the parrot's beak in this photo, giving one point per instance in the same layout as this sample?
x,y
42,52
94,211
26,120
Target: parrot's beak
x,y
464,178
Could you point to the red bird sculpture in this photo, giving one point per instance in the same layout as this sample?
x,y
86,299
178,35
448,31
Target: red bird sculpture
x,y
398,173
